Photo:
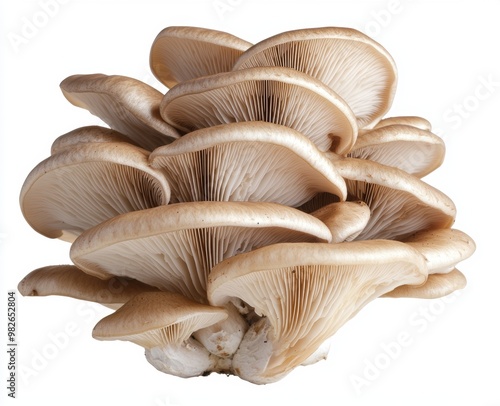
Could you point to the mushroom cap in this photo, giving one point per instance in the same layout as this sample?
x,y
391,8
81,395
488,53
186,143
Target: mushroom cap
x,y
174,247
85,135
436,286
413,121
411,149
156,319
345,220
127,105
183,53
68,280
443,248
400,204
352,64
247,161
307,292
272,94
79,187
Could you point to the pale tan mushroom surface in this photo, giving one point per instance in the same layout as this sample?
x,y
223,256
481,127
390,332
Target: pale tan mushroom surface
x,y
417,152
247,161
353,65
272,94
442,249
174,247
436,286
85,135
80,187
304,294
237,220
68,280
163,323
127,105
346,220
413,121
400,204
183,53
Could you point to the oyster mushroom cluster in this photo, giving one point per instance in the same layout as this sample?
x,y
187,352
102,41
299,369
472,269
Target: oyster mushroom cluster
x,y
237,221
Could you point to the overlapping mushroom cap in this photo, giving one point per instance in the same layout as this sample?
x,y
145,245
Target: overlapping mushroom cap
x,y
80,186
305,293
238,220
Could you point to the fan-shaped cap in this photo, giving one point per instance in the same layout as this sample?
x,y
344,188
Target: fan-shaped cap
x,y
163,323
247,161
436,286
400,204
272,94
356,67
68,280
174,247
412,121
85,135
155,319
306,292
442,249
183,53
344,219
411,149
125,104
79,187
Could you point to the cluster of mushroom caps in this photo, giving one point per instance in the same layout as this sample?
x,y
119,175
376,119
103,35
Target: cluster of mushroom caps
x,y
237,221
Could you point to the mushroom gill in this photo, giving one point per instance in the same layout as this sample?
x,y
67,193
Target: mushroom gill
x,y
237,220
304,294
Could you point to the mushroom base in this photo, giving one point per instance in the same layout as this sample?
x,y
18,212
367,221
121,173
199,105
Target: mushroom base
x,y
186,360
223,338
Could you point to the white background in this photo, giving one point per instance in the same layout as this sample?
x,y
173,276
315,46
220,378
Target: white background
x,y
447,53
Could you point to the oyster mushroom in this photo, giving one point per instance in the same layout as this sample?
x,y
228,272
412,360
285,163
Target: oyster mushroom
x,y
436,286
183,53
85,135
442,249
352,64
304,294
345,220
127,105
68,280
233,208
272,94
413,121
79,187
163,323
174,248
417,152
400,204
247,161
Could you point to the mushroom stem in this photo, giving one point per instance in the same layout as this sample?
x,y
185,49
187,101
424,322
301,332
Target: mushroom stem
x,y
223,338
186,360
254,353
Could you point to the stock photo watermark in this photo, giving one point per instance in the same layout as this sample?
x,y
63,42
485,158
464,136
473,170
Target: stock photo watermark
x,y
222,7
486,86
390,350
382,18
12,349
58,341
35,22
